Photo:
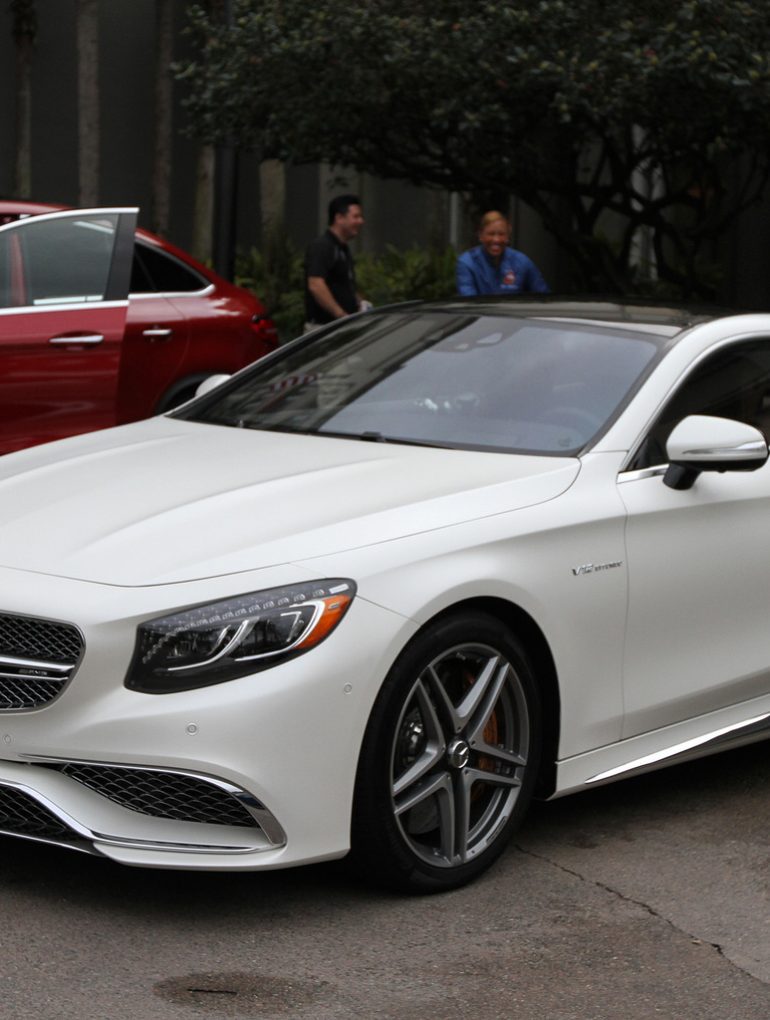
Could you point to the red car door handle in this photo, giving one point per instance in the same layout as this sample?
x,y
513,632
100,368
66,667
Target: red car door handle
x,y
79,338
156,333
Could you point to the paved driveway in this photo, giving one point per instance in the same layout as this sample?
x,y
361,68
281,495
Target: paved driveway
x,y
643,900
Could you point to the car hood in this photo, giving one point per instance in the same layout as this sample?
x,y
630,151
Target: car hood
x,y
166,501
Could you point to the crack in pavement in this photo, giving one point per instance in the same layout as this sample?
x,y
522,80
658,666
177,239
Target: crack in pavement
x,y
644,906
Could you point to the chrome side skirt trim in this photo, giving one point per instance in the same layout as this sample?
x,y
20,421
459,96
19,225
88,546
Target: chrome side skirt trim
x,y
744,732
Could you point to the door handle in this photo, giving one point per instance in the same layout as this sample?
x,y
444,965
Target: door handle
x,y
85,338
156,333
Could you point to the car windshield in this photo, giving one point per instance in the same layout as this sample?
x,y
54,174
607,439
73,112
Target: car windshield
x,y
452,378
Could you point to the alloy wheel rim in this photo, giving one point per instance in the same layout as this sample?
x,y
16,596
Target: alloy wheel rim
x,y
459,754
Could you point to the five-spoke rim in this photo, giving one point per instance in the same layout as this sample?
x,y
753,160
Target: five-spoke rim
x,y
459,753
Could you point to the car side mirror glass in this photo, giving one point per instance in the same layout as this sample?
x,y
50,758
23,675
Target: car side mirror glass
x,y
704,443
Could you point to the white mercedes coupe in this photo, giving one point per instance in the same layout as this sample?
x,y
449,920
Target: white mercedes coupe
x,y
378,590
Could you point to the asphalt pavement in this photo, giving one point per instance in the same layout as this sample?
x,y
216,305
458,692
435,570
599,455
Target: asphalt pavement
x,y
646,899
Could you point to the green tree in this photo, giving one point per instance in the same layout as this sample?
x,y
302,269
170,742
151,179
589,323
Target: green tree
x,y
611,119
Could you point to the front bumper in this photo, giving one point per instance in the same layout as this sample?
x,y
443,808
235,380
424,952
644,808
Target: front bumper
x,y
253,773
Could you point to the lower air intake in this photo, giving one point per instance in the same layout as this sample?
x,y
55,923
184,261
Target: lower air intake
x,y
162,794
22,815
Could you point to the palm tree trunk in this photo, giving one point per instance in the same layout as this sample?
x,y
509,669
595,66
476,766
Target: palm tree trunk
x,y
24,32
272,189
87,13
161,177
203,215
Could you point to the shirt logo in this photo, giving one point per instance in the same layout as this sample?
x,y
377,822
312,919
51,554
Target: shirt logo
x,y
509,280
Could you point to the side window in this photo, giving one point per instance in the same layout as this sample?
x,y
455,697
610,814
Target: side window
x,y
56,261
158,272
733,383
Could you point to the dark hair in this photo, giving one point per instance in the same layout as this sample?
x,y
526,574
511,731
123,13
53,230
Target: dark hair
x,y
340,205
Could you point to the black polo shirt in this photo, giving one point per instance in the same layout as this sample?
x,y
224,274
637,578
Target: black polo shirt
x,y
329,258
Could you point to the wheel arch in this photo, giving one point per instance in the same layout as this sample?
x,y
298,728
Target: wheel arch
x,y
375,843
520,623
180,391
526,629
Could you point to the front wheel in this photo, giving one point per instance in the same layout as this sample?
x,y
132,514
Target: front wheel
x,y
449,758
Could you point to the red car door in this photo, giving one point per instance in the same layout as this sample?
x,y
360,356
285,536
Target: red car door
x,y
63,298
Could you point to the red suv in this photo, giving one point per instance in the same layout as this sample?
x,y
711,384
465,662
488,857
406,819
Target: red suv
x,y
101,323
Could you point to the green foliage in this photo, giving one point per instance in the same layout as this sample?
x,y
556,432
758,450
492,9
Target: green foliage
x,y
417,273
276,276
601,115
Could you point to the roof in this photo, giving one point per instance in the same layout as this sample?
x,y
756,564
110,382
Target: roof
x,y
631,310
637,315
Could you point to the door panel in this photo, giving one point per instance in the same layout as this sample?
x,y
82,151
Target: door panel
x,y
699,597
154,352
63,299
699,560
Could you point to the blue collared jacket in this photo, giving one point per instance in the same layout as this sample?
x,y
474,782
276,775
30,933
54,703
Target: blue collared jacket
x,y
476,274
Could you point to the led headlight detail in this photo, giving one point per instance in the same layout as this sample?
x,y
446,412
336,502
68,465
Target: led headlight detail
x,y
223,640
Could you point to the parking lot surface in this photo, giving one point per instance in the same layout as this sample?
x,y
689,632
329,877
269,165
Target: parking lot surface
x,y
646,899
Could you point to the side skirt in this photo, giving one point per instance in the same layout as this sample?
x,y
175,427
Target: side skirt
x,y
718,731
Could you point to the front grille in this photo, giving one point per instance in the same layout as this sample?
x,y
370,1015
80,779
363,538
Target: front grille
x,y
161,794
22,815
39,639
37,658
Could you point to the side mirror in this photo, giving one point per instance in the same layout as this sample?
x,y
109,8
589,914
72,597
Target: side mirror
x,y
704,443
211,383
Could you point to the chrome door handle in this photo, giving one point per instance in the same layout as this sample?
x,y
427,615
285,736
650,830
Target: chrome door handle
x,y
156,333
86,338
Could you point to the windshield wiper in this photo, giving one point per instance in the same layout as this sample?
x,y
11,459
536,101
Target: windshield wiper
x,y
379,437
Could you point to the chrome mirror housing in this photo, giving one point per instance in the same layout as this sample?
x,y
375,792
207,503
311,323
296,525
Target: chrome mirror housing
x,y
211,383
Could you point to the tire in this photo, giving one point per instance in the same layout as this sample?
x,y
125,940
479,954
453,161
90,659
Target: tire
x,y
449,758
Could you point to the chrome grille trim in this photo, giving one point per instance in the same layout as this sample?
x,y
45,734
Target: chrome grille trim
x,y
28,815
37,659
170,794
65,832
53,667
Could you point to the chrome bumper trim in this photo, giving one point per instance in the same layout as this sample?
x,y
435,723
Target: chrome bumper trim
x,y
267,824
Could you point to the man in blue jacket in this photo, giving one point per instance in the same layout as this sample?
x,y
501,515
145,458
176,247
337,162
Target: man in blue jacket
x,y
494,268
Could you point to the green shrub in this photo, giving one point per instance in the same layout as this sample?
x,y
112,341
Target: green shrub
x,y
414,274
276,276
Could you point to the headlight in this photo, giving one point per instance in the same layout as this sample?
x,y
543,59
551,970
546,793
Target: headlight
x,y
223,640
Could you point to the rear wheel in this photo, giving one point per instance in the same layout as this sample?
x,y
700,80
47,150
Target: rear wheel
x,y
450,757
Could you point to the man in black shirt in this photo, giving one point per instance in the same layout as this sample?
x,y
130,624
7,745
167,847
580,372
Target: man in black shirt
x,y
330,280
